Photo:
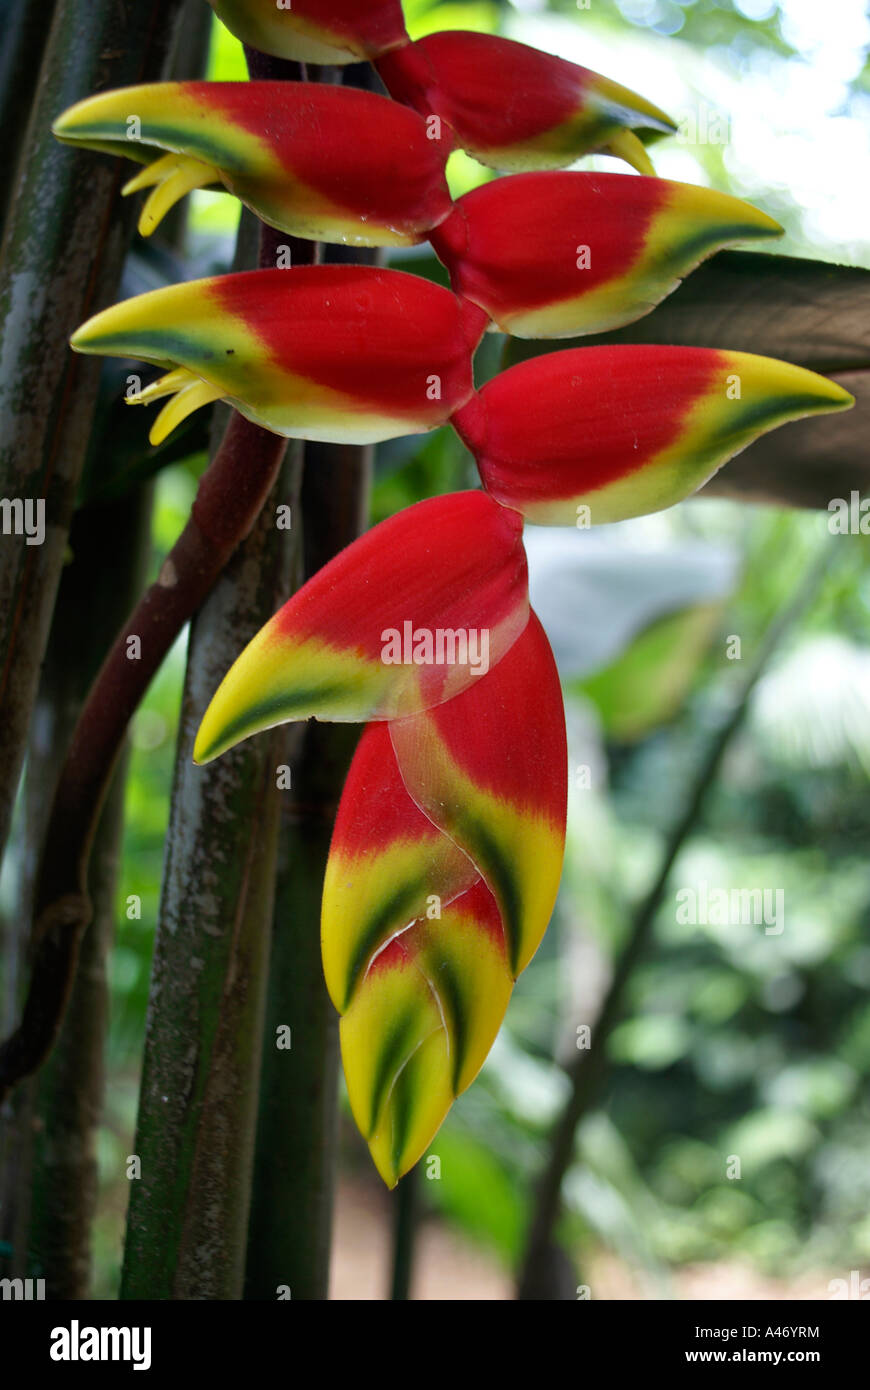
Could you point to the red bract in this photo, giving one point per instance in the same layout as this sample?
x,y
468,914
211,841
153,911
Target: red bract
x,y
376,633
515,107
316,31
551,255
621,431
489,768
442,875
282,148
351,354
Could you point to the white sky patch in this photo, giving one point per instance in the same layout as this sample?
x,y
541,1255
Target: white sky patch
x,y
793,137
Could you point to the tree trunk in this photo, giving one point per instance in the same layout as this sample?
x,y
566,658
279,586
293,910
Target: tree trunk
x,y
25,25
291,1216
62,255
51,1135
188,1209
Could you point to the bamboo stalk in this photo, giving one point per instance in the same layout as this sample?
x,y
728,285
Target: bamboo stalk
x,y
290,1232
69,1096
405,1202
291,1214
230,498
52,1131
188,1211
291,1218
25,26
62,255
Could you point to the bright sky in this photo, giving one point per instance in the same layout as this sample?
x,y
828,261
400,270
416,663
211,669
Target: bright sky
x,y
790,135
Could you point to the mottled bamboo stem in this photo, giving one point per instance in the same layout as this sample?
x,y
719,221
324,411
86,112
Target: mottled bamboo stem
x,y
230,497
63,249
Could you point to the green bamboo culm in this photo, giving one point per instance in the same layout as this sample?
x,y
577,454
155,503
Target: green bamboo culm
x,y
65,240
69,1089
188,1211
24,26
290,1235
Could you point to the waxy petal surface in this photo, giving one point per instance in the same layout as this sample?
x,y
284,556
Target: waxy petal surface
x,y
553,255
386,861
348,354
447,565
420,1026
315,31
442,874
318,161
489,768
627,430
514,107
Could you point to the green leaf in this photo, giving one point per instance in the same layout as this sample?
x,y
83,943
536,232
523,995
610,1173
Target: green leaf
x,y
478,1193
647,684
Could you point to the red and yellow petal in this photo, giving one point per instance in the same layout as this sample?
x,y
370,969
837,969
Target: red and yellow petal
x,y
388,865
552,255
514,107
377,632
283,149
315,31
489,768
420,1026
443,870
624,431
414,956
349,354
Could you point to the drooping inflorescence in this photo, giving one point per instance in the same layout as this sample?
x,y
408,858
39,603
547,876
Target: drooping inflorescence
x,y
448,845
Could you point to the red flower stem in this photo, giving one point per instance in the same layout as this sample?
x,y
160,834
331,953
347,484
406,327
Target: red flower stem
x,y
229,499
230,496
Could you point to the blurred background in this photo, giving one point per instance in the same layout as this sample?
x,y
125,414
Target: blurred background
x,y
723,1150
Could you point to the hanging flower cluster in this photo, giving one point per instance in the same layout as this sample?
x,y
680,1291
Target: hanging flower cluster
x,y
448,845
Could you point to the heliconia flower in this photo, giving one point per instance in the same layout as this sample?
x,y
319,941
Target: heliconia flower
x,y
421,1025
318,161
552,255
386,862
624,431
349,354
315,31
514,107
412,613
489,768
428,918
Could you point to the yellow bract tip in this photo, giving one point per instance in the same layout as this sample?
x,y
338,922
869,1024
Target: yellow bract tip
x,y
173,176
800,390
167,385
626,145
184,403
707,208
